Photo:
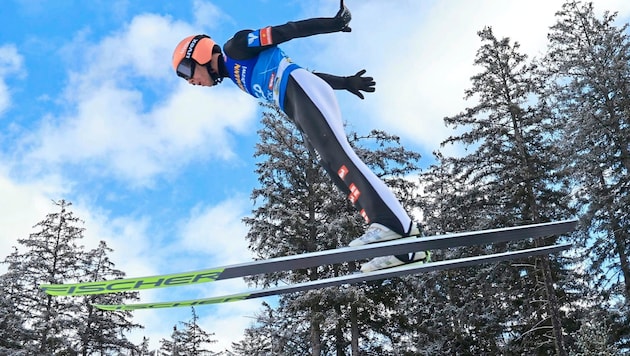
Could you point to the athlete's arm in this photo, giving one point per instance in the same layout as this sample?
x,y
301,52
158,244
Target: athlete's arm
x,y
353,84
248,43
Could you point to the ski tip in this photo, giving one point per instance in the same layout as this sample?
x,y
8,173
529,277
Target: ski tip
x,y
54,289
107,307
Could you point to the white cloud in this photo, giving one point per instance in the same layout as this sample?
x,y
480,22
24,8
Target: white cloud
x,y
140,50
207,15
210,236
135,246
421,55
11,62
423,66
123,141
109,128
23,205
218,231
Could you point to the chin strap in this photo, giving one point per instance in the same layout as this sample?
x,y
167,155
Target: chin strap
x,y
216,77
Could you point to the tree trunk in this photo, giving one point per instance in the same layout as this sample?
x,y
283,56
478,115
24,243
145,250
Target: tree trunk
x,y
339,339
316,333
534,214
354,326
553,308
621,248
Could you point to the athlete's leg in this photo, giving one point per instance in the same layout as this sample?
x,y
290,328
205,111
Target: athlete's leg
x,y
312,104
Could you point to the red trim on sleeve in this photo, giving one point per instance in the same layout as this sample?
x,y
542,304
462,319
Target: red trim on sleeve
x,y
265,36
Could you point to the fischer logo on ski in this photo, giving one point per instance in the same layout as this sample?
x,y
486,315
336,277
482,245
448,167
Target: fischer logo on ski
x,y
141,283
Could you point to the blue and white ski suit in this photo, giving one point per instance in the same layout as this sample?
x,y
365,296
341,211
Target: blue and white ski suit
x,y
255,63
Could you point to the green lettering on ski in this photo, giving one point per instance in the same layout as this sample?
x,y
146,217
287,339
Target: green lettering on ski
x,y
132,284
186,303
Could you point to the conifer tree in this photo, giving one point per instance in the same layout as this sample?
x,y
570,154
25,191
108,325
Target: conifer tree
x,y
103,331
194,339
259,337
594,338
274,332
143,348
169,347
46,325
508,178
13,334
189,341
51,255
588,62
302,211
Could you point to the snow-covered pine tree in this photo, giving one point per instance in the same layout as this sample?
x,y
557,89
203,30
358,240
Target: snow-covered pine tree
x,y
594,338
301,211
272,334
506,178
13,334
190,340
170,347
588,61
193,339
59,325
50,255
143,348
101,331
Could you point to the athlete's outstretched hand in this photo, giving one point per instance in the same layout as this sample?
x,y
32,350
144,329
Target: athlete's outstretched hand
x,y
344,16
358,82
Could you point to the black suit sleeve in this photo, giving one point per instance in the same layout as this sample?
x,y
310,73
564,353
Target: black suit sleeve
x,y
238,46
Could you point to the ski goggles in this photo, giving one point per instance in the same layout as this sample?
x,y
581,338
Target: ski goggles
x,y
186,68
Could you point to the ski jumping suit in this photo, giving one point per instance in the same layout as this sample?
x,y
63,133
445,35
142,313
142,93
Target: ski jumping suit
x,y
260,68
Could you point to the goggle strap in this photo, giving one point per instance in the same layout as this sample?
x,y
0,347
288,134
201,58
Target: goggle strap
x,y
193,43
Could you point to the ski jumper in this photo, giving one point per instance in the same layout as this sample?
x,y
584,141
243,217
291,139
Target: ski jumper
x,y
260,68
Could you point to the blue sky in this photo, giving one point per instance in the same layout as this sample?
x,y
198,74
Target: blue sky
x,y
91,112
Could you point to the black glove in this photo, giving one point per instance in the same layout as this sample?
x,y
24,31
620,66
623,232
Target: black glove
x,y
344,17
358,82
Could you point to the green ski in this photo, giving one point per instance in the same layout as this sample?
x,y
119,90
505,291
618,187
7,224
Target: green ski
x,y
340,255
413,268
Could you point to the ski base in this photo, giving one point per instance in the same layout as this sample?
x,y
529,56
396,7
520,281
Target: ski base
x,y
412,268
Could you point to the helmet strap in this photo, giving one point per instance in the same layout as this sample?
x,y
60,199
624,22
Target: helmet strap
x,y
216,77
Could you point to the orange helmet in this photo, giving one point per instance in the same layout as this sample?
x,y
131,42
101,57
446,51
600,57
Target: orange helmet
x,y
192,48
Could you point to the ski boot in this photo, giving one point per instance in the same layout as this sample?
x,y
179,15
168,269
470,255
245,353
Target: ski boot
x,y
393,261
379,233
